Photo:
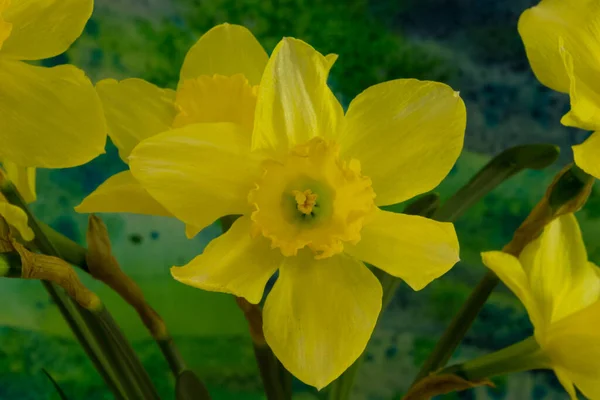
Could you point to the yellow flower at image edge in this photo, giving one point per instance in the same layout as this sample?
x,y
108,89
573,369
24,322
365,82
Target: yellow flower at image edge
x,y
560,289
49,117
308,182
562,41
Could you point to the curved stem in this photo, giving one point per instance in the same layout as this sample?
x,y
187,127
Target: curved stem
x,y
98,334
459,326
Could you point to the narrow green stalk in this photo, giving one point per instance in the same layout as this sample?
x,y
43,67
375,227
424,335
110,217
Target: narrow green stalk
x,y
522,356
172,355
459,326
11,268
568,193
115,360
498,170
270,373
277,380
75,254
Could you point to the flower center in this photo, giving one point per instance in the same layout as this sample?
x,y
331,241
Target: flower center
x,y
311,199
306,200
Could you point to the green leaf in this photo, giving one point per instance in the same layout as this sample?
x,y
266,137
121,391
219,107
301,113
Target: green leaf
x,y
189,387
60,392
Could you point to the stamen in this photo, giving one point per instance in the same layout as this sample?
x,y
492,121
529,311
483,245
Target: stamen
x,y
306,201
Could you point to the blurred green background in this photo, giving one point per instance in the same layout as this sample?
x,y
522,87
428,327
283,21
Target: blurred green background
x,y
472,45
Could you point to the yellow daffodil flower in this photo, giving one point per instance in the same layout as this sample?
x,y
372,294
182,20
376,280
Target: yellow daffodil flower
x,y
560,288
308,181
49,117
562,41
218,83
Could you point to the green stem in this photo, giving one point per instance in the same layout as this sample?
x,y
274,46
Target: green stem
x,y
270,373
523,356
567,193
459,326
499,169
75,254
172,355
98,334
277,380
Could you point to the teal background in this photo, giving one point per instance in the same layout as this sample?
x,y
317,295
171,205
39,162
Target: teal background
x,y
472,45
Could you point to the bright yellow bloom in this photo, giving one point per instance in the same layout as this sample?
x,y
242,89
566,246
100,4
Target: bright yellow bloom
x,y
562,40
49,117
308,181
218,83
560,289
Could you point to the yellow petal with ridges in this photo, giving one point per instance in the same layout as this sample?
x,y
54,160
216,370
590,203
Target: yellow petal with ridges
x,y
135,110
584,93
508,268
216,98
199,172
542,26
573,345
561,279
23,178
227,50
413,248
44,28
587,155
320,315
5,27
49,117
294,102
16,218
121,193
407,135
235,263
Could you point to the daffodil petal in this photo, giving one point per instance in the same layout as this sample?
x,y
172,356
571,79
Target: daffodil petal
x,y
587,155
561,279
567,383
584,93
199,172
331,59
23,178
509,270
121,193
573,344
407,135
410,247
235,263
5,27
320,314
541,28
294,102
226,50
135,110
43,29
49,117
16,218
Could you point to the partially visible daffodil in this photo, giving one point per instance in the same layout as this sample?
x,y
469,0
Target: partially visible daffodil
x,y
218,83
562,40
49,117
560,288
308,181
